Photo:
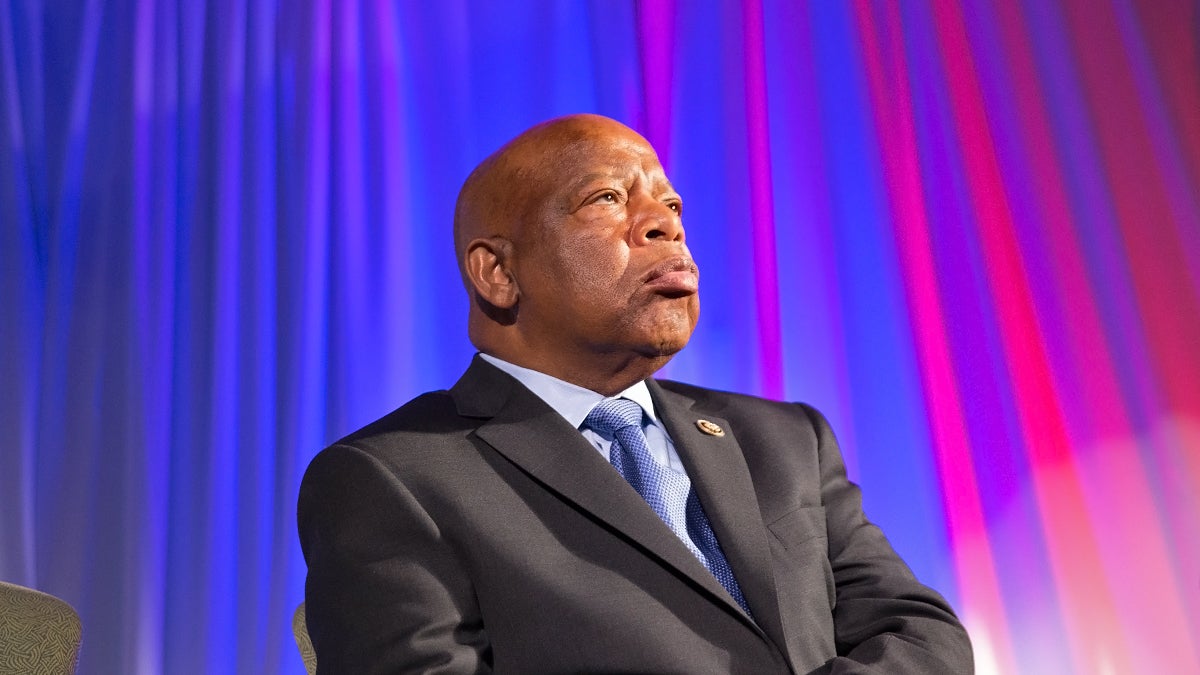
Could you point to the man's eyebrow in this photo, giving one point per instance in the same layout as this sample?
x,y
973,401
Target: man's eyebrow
x,y
584,180
579,183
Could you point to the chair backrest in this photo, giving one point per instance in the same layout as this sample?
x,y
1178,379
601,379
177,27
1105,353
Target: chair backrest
x,y
39,634
300,631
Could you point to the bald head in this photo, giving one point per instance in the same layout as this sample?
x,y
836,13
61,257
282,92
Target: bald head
x,y
570,244
508,188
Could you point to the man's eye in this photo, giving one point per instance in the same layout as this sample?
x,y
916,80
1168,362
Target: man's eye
x,y
606,198
675,206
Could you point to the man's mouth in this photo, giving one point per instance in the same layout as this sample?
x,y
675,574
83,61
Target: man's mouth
x,y
674,277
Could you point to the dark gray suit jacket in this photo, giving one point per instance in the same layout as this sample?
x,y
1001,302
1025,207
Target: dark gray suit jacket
x,y
474,530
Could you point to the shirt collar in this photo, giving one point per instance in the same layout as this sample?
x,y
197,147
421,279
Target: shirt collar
x,y
569,400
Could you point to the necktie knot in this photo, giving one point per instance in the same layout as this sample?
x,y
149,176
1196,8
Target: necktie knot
x,y
614,414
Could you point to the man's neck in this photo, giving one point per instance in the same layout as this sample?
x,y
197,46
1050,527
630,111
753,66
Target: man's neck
x,y
606,376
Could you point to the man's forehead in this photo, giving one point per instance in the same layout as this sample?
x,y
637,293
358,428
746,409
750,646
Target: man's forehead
x,y
576,126
621,173
576,137
597,156
555,158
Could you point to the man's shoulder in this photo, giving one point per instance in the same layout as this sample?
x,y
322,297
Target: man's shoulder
x,y
430,413
707,397
754,417
422,440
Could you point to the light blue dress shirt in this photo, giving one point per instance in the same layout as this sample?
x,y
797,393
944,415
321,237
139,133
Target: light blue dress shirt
x,y
574,403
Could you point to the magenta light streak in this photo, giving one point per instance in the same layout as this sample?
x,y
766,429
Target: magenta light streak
x,y
983,610
1180,192
1093,630
762,209
1115,485
656,46
1094,213
1153,248
1168,312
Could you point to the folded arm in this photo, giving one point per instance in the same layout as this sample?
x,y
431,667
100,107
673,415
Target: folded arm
x,y
885,621
385,591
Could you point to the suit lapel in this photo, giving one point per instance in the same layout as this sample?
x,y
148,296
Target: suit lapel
x,y
534,437
721,479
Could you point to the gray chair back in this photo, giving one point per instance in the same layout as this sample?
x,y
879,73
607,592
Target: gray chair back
x,y
300,631
39,634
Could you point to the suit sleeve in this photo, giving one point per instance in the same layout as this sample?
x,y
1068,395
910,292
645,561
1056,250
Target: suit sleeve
x,y
885,621
385,592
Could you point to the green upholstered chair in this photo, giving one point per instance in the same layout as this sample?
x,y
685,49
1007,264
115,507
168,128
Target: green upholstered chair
x,y
300,631
39,634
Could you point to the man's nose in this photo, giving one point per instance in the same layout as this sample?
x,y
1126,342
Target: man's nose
x,y
657,222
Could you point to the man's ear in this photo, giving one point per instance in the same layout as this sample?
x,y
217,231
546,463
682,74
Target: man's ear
x,y
487,262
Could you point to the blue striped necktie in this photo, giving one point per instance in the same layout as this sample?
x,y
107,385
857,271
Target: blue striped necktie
x,y
670,494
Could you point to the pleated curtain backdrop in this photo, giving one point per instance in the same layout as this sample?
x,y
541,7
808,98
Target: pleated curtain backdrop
x,y
968,231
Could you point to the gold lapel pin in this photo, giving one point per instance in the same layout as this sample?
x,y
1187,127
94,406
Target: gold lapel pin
x,y
710,428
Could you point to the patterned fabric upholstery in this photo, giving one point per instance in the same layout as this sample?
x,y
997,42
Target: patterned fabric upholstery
x,y
39,634
300,630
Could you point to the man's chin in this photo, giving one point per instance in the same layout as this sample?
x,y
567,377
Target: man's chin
x,y
666,346
669,333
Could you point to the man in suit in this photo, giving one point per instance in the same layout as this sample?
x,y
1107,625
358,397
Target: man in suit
x,y
559,511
